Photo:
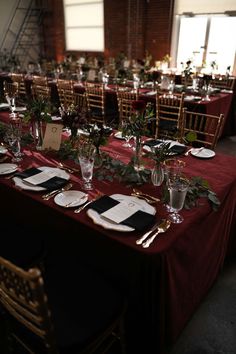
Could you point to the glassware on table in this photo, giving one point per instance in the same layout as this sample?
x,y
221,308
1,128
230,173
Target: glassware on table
x,y
11,100
178,189
173,169
126,133
86,156
13,138
157,175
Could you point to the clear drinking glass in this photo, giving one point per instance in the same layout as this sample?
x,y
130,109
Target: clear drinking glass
x,y
13,137
86,155
173,169
178,189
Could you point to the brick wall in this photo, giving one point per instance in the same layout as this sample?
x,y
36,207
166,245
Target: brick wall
x,y
131,26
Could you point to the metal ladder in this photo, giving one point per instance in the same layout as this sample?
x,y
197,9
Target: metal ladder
x,y
23,37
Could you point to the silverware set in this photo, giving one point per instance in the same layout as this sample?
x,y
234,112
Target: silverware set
x,y
87,203
56,191
148,198
157,229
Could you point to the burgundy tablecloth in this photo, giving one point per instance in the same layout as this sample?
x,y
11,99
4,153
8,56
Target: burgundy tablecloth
x,y
165,283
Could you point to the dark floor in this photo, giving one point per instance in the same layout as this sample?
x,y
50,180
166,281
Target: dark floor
x,y
212,329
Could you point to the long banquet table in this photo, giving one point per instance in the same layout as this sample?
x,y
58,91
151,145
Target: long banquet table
x,y
164,283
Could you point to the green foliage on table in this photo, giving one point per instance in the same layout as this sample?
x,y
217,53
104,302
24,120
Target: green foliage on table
x,y
198,188
67,150
124,173
160,153
26,139
38,109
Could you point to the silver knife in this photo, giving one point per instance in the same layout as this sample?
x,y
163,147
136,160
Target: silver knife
x,y
140,240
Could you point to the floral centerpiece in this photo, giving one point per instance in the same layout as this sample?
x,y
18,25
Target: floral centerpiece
x,y
137,126
38,110
73,118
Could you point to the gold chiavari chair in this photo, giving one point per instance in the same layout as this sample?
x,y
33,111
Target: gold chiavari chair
x,y
223,83
20,79
53,316
125,101
10,89
95,96
206,127
40,87
66,93
169,116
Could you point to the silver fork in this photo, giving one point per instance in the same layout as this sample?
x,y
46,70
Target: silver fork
x,y
163,227
87,203
140,240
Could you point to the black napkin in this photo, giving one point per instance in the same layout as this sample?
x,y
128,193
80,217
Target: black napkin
x,y
152,142
139,220
178,149
51,184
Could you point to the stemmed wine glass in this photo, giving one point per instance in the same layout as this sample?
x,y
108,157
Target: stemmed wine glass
x,y
13,138
172,171
178,189
86,156
126,133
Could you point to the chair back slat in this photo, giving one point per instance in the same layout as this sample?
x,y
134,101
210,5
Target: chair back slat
x,y
207,127
169,116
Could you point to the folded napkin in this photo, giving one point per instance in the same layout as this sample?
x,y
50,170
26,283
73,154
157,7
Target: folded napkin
x,y
140,220
178,149
153,142
51,184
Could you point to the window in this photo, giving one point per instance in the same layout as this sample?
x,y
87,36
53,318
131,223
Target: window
x,y
84,25
207,39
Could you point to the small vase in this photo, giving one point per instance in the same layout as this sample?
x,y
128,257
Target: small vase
x,y
157,175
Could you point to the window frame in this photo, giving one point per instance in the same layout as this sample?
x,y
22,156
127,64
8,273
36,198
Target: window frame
x,y
94,31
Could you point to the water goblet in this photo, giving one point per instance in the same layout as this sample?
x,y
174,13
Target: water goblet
x,y
172,170
86,155
13,137
178,189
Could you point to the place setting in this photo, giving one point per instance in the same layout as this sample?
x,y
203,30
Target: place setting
x,y
122,213
41,179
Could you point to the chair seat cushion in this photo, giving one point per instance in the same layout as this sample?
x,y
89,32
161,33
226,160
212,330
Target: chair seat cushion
x,y
82,303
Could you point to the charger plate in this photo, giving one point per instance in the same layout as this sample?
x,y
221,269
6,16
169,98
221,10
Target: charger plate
x,y
30,187
203,154
107,224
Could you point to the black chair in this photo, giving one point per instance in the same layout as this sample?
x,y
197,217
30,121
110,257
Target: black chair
x,y
74,312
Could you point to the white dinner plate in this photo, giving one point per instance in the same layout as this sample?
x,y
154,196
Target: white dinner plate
x,y
30,187
107,224
3,150
6,168
119,135
70,199
203,154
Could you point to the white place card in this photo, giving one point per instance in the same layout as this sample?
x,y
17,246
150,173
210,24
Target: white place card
x,y
52,136
121,211
40,177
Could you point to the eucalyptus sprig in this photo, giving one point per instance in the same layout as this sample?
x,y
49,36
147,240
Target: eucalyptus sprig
x,y
198,188
161,153
115,169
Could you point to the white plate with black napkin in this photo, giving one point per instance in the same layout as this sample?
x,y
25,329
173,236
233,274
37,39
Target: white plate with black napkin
x,y
32,179
175,147
103,212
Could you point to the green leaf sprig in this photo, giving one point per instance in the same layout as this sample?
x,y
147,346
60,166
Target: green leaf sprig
x,y
198,188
